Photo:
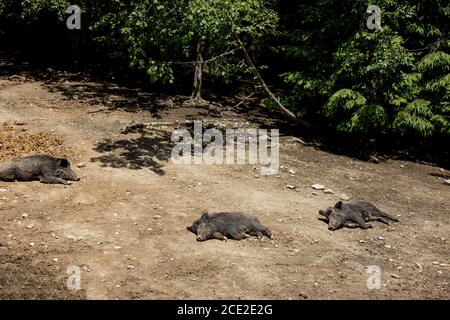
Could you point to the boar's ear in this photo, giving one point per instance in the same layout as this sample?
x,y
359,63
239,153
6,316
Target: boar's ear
x,y
338,205
205,216
190,228
64,163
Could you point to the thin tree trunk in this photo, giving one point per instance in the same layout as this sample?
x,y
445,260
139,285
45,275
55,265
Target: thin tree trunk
x,y
266,88
198,76
262,82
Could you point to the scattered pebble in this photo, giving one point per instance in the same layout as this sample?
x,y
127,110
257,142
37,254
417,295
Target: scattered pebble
x,y
81,165
30,226
289,186
318,186
345,197
380,238
447,181
303,295
328,191
157,216
395,276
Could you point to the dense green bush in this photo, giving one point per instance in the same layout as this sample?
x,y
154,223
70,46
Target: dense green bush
x,y
394,80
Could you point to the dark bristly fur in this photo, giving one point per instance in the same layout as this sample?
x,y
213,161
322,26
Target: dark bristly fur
x,y
353,215
223,225
43,168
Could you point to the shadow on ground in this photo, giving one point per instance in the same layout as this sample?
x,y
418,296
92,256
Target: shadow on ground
x,y
147,150
106,96
82,87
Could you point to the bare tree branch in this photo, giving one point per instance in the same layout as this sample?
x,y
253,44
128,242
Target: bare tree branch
x,y
261,80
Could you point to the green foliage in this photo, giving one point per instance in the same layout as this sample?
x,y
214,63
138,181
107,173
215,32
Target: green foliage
x,y
370,82
435,62
416,117
344,100
159,32
30,10
352,113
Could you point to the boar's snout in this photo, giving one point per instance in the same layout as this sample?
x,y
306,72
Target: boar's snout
x,y
200,238
70,175
67,174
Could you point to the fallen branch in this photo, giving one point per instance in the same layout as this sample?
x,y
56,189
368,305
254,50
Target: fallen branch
x,y
245,99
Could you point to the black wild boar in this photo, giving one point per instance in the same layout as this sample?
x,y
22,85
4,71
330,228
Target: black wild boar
x,y
354,215
223,225
43,168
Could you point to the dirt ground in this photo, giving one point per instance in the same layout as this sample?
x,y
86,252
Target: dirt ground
x,y
124,224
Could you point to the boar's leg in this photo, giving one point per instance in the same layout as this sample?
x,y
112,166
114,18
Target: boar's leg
x,y
267,233
257,233
359,220
52,179
260,231
351,225
380,219
237,235
219,236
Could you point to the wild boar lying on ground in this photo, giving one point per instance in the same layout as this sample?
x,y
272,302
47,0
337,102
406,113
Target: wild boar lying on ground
x,y
353,215
43,168
223,225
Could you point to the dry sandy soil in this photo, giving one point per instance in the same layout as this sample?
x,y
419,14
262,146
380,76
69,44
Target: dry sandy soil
x,y
124,224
